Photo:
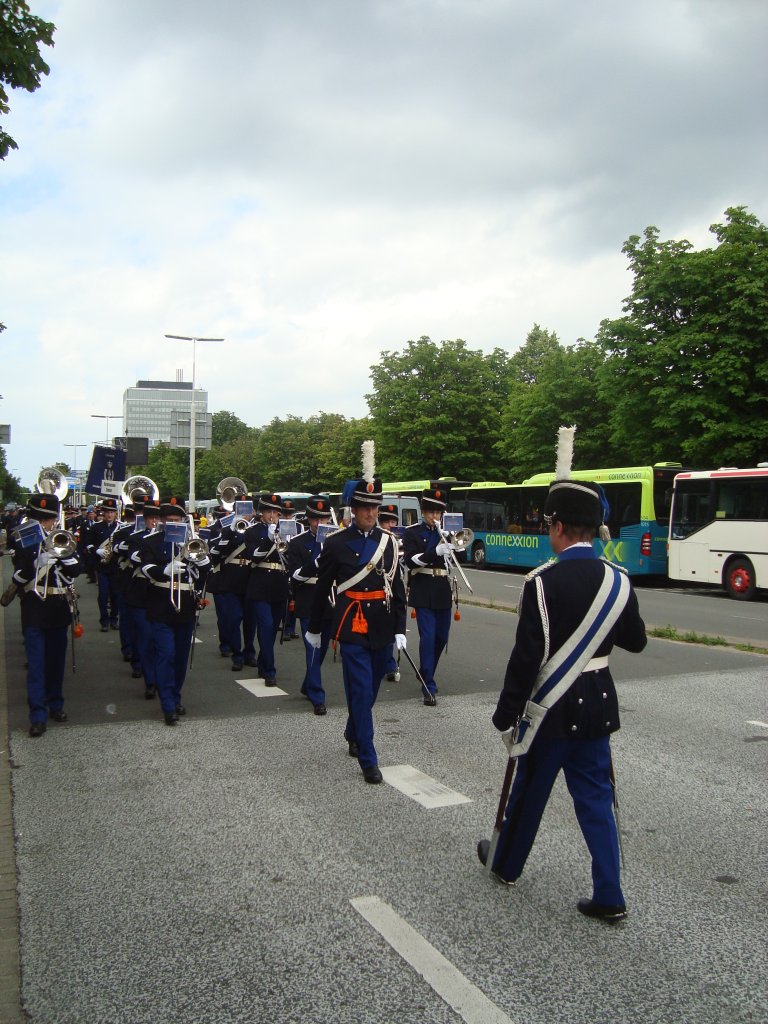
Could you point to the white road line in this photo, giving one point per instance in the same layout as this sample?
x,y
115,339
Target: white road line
x,y
450,984
258,688
422,788
763,725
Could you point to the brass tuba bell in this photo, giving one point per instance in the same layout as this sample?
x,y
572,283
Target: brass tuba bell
x,y
230,490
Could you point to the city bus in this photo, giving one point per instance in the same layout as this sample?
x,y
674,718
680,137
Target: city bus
x,y
718,529
508,523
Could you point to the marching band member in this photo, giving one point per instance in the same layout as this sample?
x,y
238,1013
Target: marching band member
x,y
301,562
266,591
135,598
429,587
216,585
571,613
171,607
362,563
46,614
228,582
289,623
99,547
123,573
388,521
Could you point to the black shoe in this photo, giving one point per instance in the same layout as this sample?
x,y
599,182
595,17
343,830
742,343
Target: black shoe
x,y
237,665
104,629
321,709
180,710
136,673
226,654
483,849
251,663
171,719
602,911
430,701
58,716
113,625
37,729
354,750
390,677
270,681
127,657
150,693
303,690
373,775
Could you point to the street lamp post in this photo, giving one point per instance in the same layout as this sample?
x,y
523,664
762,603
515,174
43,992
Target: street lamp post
x,y
78,495
101,416
185,337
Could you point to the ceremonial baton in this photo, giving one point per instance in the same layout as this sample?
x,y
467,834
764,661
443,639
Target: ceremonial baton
x,y
404,650
615,788
505,788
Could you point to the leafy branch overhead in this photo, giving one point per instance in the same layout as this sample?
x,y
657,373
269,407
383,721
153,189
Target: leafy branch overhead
x,y
21,64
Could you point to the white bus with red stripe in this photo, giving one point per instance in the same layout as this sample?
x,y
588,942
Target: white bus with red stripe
x,y
718,529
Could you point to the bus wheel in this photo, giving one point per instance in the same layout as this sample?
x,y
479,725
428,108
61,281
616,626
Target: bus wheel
x,y
478,556
740,579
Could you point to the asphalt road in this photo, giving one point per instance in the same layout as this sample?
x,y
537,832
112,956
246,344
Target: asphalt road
x,y
238,869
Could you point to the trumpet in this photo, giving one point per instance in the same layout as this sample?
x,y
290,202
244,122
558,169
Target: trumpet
x,y
241,524
457,541
60,544
194,551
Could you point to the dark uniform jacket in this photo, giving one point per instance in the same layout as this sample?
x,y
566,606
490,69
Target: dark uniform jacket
x,y
301,561
97,534
268,580
590,707
53,612
121,555
344,555
155,554
231,569
425,589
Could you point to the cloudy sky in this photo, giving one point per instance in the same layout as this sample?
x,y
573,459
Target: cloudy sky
x,y
319,180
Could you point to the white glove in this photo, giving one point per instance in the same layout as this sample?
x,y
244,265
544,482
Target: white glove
x,y
443,549
101,552
271,530
173,567
313,639
400,641
45,558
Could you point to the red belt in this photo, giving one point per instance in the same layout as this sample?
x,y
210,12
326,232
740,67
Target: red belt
x,y
364,595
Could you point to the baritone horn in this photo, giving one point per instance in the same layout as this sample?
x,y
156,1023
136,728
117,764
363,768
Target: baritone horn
x,y
230,490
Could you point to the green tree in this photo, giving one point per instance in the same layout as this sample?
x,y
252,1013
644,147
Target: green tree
x,y
436,410
686,373
169,468
558,388
226,427
10,486
21,65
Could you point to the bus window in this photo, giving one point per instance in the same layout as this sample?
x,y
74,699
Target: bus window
x,y
691,508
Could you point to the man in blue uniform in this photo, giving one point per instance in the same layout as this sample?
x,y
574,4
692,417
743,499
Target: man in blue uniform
x,y
369,614
172,603
301,562
572,609
44,579
429,587
136,597
106,565
266,591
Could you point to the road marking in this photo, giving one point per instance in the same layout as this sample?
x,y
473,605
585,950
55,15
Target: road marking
x,y
513,586
258,688
440,974
422,788
763,725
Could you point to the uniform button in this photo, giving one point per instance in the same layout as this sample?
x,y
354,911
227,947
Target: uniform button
x,y
574,728
607,723
605,696
581,700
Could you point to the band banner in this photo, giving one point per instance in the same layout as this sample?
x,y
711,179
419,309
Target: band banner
x,y
107,463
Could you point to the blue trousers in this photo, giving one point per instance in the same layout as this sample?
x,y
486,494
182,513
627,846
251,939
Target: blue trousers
x,y
145,645
108,611
219,604
267,617
124,625
313,683
129,634
172,644
434,626
586,767
46,657
237,628
363,672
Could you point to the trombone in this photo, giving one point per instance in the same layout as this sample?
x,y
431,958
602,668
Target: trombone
x,y
60,544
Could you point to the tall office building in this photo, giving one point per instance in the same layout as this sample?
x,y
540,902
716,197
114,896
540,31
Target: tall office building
x,y
160,411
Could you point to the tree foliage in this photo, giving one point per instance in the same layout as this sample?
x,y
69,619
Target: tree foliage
x,y
21,64
435,410
686,369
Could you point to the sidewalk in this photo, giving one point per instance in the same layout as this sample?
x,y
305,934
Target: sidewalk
x,y
10,964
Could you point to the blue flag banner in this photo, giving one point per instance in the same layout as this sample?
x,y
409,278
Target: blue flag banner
x,y
107,463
